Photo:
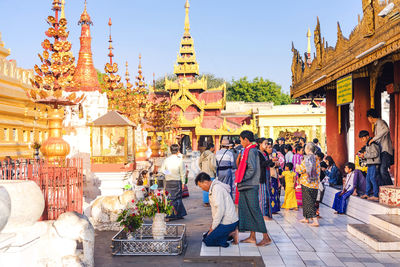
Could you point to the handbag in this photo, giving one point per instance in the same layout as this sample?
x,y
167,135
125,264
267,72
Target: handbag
x,y
185,191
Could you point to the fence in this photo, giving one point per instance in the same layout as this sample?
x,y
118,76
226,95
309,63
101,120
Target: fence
x,y
60,181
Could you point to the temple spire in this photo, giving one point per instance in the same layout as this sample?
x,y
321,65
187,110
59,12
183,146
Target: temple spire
x,y
140,84
127,77
186,64
187,21
62,9
110,47
309,41
85,76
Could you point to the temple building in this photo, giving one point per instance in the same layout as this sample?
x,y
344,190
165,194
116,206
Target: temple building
x,y
199,108
359,73
22,122
78,118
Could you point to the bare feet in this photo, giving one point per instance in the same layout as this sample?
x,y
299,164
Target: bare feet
x,y
249,240
264,242
296,209
364,196
335,212
315,223
235,235
373,199
266,218
304,221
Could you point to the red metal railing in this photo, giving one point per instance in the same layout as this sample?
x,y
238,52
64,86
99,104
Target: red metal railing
x,y
60,181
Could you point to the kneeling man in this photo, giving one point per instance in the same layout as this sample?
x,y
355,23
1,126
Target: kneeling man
x,y
225,219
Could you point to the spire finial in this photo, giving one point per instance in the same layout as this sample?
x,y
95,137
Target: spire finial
x,y
85,4
187,21
110,47
309,41
62,9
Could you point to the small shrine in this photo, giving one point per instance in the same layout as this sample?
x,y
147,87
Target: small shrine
x,y
112,139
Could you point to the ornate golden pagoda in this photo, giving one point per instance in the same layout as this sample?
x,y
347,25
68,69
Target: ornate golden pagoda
x,y
85,76
198,108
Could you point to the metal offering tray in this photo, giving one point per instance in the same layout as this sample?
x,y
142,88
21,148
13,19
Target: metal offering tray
x,y
143,243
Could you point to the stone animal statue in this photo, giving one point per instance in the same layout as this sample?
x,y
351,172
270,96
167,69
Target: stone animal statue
x,y
60,243
105,209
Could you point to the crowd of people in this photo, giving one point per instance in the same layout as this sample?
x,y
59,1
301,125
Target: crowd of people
x,y
251,173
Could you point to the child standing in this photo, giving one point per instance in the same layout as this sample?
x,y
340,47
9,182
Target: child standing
x,y
372,156
290,201
297,159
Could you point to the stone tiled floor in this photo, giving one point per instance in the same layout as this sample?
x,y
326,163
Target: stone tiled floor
x,y
296,244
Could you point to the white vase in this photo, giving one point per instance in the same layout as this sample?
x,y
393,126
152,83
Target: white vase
x,y
159,227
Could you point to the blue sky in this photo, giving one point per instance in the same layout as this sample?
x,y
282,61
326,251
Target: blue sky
x,y
233,38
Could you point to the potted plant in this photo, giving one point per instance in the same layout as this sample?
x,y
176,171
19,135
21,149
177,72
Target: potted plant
x,y
131,219
157,206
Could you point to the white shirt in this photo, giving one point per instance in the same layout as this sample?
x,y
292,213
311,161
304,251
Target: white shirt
x,y
349,185
173,168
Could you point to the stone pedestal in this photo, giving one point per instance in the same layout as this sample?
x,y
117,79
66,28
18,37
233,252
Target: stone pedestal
x,y
389,195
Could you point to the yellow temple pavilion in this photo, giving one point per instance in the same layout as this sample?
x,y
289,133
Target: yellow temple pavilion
x,y
198,107
22,122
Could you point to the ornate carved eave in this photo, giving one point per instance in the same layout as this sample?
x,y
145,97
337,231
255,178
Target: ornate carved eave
x,y
373,31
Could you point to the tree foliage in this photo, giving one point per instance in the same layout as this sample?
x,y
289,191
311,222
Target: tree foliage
x,y
258,90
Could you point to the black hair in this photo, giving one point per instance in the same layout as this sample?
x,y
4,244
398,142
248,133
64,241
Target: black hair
x,y
289,165
298,148
288,147
209,146
350,165
247,135
270,141
139,181
202,177
372,113
315,141
323,165
174,149
237,142
362,150
259,141
330,160
320,155
363,133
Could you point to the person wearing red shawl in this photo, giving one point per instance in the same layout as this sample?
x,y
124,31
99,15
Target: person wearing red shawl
x,y
248,182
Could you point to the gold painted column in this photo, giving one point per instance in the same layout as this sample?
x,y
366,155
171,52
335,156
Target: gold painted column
x,y
55,147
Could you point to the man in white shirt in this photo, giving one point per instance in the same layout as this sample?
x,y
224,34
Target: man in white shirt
x,y
174,170
225,219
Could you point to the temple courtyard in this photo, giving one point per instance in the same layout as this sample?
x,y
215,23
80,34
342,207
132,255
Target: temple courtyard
x,y
294,244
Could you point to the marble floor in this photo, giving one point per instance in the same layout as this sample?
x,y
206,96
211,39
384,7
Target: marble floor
x,y
297,244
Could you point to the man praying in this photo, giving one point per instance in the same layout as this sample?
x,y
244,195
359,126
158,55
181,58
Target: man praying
x,y
225,219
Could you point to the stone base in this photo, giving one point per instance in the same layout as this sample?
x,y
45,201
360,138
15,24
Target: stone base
x,y
111,226
389,195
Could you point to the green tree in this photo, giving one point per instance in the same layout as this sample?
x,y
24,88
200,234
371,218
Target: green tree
x,y
100,76
258,90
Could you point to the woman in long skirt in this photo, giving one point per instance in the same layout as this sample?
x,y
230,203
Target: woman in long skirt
x,y
309,171
264,189
274,188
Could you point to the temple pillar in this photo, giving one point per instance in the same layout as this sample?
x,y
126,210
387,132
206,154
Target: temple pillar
x,y
361,105
262,131
396,123
217,142
195,142
336,142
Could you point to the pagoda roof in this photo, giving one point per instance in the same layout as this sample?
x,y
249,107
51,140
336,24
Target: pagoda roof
x,y
113,118
211,96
